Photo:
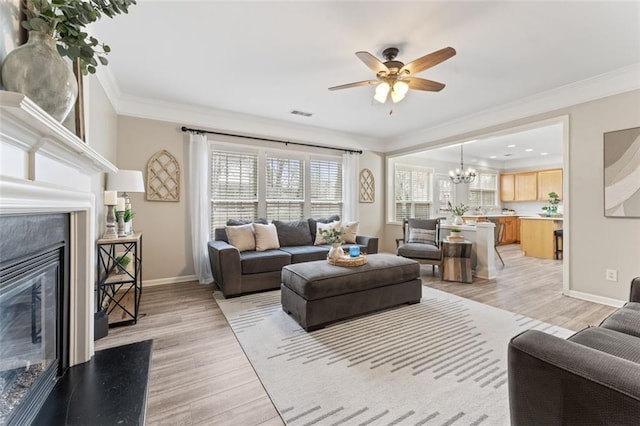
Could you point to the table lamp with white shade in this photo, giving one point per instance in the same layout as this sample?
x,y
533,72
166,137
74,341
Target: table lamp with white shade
x,y
126,181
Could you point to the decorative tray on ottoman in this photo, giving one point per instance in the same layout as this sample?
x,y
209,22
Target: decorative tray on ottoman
x,y
348,260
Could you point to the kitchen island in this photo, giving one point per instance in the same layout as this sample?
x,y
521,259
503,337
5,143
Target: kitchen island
x,y
536,235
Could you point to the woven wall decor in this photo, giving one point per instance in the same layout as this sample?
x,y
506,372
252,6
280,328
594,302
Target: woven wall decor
x,y
367,186
163,177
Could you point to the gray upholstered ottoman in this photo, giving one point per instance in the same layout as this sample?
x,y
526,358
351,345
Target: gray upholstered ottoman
x,y
317,293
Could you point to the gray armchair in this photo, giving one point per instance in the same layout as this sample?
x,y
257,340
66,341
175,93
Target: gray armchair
x,y
593,377
420,242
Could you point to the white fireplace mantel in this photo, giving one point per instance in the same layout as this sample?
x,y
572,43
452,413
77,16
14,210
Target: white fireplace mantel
x,y
45,168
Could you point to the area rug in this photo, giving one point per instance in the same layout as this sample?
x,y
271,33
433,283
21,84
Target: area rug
x,y
439,362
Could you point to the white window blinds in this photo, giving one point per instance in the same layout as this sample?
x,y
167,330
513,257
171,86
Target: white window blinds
x,y
284,188
483,190
326,188
413,192
234,187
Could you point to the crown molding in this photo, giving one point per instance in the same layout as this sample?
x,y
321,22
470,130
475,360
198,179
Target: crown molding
x,y
612,83
615,82
198,116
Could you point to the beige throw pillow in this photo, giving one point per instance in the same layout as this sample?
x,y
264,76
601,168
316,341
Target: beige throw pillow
x,y
325,227
266,237
349,232
241,237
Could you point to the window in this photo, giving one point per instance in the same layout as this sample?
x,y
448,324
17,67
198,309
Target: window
x,y
413,192
483,190
284,188
446,193
234,187
326,188
277,185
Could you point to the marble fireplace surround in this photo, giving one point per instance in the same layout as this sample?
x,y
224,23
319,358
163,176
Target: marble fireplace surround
x,y
44,168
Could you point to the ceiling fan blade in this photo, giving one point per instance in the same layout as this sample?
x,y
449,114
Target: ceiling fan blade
x,y
356,84
428,61
423,84
372,62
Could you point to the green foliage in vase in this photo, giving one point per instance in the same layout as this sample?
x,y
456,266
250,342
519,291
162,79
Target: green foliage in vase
x,y
332,236
458,209
65,20
128,215
554,200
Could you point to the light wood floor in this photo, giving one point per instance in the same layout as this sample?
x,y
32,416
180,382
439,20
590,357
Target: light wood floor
x,y
527,286
201,376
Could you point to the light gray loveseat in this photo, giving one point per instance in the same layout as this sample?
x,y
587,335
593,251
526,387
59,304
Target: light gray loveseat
x,y
237,273
591,378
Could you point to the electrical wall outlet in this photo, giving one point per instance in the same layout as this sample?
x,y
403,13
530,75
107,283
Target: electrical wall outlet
x,y
612,275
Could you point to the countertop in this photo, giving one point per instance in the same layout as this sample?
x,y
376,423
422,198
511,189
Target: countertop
x,y
489,215
540,218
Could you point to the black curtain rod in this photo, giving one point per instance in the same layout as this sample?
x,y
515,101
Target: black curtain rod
x,y
187,129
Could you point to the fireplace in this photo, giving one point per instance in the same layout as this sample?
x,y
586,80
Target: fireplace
x,y
45,170
34,311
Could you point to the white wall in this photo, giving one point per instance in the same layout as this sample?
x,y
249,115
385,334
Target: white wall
x,y
101,126
371,214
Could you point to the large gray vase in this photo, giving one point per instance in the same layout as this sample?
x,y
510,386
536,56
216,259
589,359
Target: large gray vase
x,y
37,70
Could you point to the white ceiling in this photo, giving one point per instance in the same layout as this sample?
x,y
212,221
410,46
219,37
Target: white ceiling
x,y
268,58
537,147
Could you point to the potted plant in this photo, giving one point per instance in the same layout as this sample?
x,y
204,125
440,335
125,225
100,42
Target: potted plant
x,y
122,262
57,29
552,208
128,215
458,210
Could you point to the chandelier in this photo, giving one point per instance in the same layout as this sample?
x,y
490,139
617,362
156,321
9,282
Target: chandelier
x,y
461,175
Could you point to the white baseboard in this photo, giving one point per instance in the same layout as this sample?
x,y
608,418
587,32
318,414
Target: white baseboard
x,y
595,298
170,280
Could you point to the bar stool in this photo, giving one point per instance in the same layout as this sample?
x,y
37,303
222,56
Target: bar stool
x,y
557,243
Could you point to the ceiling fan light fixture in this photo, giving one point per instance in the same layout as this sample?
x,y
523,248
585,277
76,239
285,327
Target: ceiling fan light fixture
x,y
400,89
382,91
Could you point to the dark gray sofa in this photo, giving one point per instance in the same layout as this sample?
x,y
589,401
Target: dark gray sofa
x,y
591,378
237,273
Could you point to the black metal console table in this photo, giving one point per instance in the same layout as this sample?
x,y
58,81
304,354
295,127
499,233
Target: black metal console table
x,y
120,287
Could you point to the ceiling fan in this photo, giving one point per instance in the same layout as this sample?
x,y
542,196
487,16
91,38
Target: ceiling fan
x,y
396,77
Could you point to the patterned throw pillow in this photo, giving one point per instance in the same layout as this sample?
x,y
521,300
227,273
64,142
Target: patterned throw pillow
x,y
349,232
241,237
266,237
325,227
424,236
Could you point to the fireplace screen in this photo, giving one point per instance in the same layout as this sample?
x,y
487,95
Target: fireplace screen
x,y
29,335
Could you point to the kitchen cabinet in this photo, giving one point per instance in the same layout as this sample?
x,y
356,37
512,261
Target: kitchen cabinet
x,y
511,230
526,186
536,236
507,187
549,181
534,185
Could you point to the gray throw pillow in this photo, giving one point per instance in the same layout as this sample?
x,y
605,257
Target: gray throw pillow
x,y
424,236
294,233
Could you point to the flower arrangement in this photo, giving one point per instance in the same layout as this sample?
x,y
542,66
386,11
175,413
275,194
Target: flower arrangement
x,y
332,236
458,209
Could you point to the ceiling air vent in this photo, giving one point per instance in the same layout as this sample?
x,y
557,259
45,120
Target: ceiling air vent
x,y
302,113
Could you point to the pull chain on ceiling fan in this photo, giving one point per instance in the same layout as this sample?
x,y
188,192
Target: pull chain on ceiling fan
x,y
397,78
